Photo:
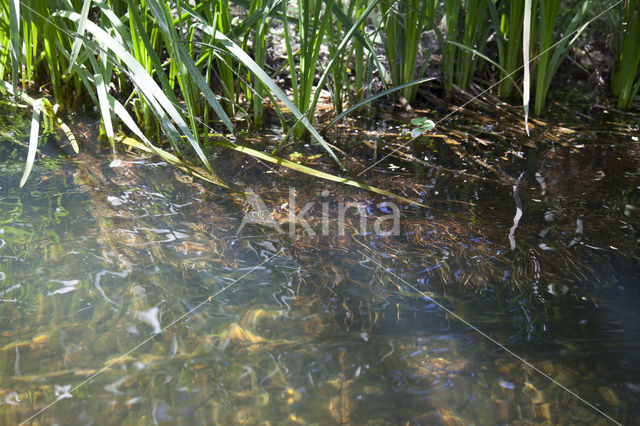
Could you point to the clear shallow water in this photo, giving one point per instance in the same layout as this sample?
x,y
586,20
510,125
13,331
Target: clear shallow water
x,y
129,296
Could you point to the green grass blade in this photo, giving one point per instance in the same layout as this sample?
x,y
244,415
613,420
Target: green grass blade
x,y
373,98
339,50
145,83
186,60
122,113
14,25
311,172
363,39
46,109
77,43
249,63
526,38
69,134
150,51
289,48
175,161
33,141
201,83
489,60
559,52
80,70
105,110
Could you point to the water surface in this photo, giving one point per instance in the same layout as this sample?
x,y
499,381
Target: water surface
x,y
132,295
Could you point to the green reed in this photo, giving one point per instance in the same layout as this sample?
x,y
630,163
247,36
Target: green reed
x,y
360,61
554,36
474,35
625,80
452,27
314,20
339,72
353,35
257,33
404,23
507,19
222,16
554,25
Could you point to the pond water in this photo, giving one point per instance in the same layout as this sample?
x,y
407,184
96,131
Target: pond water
x,y
135,295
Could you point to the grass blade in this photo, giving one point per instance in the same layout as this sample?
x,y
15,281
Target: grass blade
x,y
145,83
249,63
338,51
122,113
105,111
69,134
77,43
46,110
526,37
14,25
311,172
175,161
488,59
33,141
373,98
187,61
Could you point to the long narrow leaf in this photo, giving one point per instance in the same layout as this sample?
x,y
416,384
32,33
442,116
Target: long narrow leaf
x,y
175,161
33,141
69,134
311,172
249,63
104,108
145,83
186,60
153,56
122,113
14,18
491,61
373,98
338,51
360,38
51,116
526,37
77,43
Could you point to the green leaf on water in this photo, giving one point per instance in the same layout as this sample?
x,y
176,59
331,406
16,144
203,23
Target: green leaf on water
x,y
423,125
417,131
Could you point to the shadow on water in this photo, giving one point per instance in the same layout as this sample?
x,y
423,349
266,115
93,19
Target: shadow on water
x,y
96,261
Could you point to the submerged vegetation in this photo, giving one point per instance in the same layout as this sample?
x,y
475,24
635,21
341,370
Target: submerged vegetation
x,y
116,269
170,69
97,259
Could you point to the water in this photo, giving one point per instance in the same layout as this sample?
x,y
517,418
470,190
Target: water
x,y
128,296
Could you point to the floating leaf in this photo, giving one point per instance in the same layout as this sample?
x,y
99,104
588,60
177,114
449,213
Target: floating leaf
x,y
416,132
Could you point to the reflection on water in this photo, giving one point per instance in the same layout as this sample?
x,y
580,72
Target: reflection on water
x,y
127,295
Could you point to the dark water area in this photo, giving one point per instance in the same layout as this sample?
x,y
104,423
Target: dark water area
x,y
137,295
